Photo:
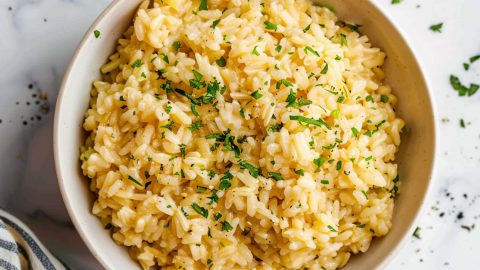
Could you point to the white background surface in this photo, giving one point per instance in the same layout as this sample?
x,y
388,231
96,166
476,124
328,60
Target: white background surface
x,y
38,37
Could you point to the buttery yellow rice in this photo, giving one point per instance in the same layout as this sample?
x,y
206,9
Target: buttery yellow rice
x,y
242,135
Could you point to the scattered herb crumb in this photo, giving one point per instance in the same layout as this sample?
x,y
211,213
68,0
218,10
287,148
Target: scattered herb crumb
x,y
416,233
437,27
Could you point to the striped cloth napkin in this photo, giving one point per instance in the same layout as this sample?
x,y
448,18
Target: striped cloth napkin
x,y
20,249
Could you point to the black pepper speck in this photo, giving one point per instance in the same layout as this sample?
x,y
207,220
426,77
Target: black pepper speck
x,y
460,215
24,123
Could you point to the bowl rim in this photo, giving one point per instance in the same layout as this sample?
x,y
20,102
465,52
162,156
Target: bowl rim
x,y
56,130
58,164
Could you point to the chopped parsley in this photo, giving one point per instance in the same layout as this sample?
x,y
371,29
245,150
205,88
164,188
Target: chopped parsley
x,y
335,113
332,229
284,82
462,89
384,98
215,23
168,109
355,132
325,182
319,162
256,94
214,198
197,82
182,149
305,30
275,127
309,121
308,49
365,194
278,48
270,26
254,171
189,96
196,125
339,165
354,27
221,62
299,172
416,233
134,180
217,216
176,45
165,58
343,40
396,2
225,181
325,68
462,123
203,5
201,189
138,63
194,109
474,58
212,89
276,176
437,27
255,52
200,210
96,33
226,226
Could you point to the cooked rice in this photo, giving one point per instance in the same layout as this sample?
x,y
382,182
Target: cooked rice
x,y
250,135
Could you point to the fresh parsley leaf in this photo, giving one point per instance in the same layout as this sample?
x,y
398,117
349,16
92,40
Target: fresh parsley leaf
x,y
343,40
255,52
256,94
308,49
462,89
396,2
305,30
203,5
196,125
215,23
254,171
275,127
474,58
176,45
355,131
226,226
416,233
278,48
325,68
138,63
332,229
134,180
270,26
276,176
462,123
200,210
96,33
221,62
437,27
310,121
384,98
339,165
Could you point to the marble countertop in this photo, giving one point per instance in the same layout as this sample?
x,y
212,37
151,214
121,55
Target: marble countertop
x,y
38,37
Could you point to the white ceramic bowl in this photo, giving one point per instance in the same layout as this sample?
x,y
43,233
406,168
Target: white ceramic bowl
x,y
403,73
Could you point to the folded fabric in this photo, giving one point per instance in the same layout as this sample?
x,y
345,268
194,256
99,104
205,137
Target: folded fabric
x,y
20,249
